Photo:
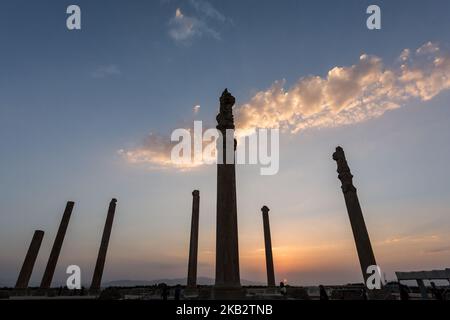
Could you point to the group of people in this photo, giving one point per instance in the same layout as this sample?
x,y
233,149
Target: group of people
x,y
165,292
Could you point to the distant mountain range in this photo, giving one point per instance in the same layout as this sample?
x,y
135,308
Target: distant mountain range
x,y
136,283
171,282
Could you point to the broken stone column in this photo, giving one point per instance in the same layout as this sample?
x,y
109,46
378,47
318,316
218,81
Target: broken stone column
x,y
362,240
228,283
268,246
99,266
193,245
57,245
30,259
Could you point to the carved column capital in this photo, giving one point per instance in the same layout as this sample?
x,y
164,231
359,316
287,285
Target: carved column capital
x,y
343,170
225,119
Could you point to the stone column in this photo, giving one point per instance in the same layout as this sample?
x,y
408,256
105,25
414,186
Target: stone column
x,y
227,252
30,259
57,245
193,245
362,240
268,246
99,266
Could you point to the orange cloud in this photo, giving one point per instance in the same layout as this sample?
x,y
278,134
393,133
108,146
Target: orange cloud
x,y
346,95
349,95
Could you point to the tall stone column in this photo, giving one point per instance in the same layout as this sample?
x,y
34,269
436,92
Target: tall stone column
x,y
30,259
268,246
57,245
100,265
227,251
362,240
193,245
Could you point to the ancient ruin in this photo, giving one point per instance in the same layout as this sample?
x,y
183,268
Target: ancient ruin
x,y
193,245
227,282
100,265
57,245
268,248
227,273
30,259
362,240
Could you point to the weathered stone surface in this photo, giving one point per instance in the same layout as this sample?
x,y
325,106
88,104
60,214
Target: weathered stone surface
x,y
57,245
100,265
30,259
362,240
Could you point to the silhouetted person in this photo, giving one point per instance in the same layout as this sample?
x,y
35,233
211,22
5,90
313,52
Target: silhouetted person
x,y
436,292
404,295
177,292
364,294
283,289
445,293
164,292
323,293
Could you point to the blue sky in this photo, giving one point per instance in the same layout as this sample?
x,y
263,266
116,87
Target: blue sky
x,y
69,100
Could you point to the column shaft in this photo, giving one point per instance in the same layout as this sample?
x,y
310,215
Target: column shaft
x,y
360,234
227,250
30,259
193,245
99,266
57,245
268,247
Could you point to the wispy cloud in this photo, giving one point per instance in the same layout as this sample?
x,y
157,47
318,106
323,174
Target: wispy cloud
x,y
106,71
201,21
184,28
412,239
206,8
154,150
346,95
438,250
